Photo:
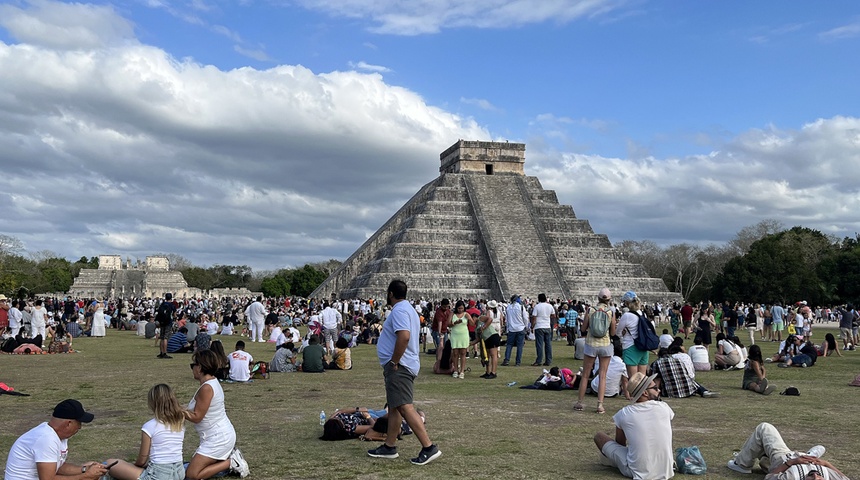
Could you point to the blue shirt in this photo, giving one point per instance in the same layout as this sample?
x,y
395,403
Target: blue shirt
x,y
777,313
176,341
402,317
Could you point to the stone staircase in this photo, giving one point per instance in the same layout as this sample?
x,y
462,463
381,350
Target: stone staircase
x,y
512,237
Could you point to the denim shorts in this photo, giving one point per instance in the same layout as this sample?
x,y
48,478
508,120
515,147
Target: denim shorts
x,y
604,351
163,471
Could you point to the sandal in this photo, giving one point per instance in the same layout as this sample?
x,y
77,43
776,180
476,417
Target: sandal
x,y
600,408
578,406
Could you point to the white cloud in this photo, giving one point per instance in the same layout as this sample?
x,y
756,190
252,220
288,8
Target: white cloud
x,y
809,177
222,30
128,150
65,26
368,67
845,31
481,103
423,17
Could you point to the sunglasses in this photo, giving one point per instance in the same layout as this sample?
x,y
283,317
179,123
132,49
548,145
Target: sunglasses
x,y
813,474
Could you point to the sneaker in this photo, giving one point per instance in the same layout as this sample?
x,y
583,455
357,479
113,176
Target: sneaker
x,y
768,360
455,374
485,375
160,355
734,466
710,394
238,463
803,365
505,363
768,390
462,374
383,451
492,376
427,455
536,364
166,356
816,451
783,365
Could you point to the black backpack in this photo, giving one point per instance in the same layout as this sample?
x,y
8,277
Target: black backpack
x,y
647,338
164,314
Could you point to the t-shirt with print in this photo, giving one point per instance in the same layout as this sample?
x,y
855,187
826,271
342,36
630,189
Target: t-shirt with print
x,y
40,445
240,365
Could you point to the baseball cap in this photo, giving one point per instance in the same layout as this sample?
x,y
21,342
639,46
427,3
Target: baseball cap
x,y
72,410
629,296
604,293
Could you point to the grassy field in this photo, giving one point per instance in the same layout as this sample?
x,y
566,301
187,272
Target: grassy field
x,y
484,428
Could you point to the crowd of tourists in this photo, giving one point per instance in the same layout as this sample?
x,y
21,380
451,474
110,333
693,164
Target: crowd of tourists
x,y
614,339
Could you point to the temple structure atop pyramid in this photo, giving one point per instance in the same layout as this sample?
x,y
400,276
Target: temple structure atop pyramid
x,y
483,229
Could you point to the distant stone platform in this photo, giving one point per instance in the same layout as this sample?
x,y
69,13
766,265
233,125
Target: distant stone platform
x,y
483,229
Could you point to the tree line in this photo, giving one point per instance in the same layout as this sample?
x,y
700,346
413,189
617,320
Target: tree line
x,y
763,263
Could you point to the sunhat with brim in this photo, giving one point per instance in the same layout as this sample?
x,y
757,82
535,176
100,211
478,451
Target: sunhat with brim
x,y
492,304
637,385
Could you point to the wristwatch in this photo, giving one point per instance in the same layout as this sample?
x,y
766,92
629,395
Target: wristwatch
x,y
84,469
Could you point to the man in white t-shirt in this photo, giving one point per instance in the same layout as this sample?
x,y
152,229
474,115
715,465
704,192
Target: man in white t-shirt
x,y
642,447
39,320
240,363
543,316
41,452
331,320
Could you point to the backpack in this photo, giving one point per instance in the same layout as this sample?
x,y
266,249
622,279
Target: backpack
x,y
647,339
598,323
163,314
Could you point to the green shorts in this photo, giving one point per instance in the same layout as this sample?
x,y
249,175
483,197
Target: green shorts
x,y
632,356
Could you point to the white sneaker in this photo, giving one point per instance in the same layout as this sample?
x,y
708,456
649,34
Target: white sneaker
x,y
734,466
816,451
238,463
462,374
455,375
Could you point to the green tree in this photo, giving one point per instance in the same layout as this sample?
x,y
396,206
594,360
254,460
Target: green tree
x,y
305,280
276,286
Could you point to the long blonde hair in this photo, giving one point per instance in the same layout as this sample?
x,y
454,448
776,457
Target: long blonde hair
x,y
163,403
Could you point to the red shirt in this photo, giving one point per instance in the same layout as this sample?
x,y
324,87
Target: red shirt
x,y
475,313
441,319
687,313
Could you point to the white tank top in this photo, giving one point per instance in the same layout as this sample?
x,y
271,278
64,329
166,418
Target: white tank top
x,y
216,417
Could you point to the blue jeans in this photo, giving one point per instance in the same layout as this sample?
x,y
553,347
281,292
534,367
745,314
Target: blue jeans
x,y
543,345
518,338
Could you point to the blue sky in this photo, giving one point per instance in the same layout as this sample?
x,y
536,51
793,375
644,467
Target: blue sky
x,y
289,117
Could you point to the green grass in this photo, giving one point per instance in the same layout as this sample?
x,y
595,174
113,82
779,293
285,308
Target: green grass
x,y
484,429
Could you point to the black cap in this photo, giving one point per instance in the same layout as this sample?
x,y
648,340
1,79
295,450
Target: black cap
x,y
72,410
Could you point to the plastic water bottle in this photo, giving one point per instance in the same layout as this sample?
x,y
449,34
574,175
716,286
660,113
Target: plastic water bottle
x,y
322,417
512,384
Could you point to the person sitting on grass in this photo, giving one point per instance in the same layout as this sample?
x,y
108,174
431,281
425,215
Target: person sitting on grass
x,y
787,349
284,359
178,342
699,355
828,347
313,356
755,375
767,448
728,354
160,455
341,359
240,363
223,372
806,356
62,341
444,363
673,379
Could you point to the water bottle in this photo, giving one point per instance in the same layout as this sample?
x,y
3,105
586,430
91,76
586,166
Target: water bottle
x,y
322,417
512,384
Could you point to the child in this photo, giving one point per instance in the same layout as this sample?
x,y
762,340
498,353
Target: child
x,y
160,453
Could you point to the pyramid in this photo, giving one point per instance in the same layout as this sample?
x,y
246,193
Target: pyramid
x,y
483,229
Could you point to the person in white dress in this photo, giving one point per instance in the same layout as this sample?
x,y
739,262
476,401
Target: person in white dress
x,y
217,451
98,329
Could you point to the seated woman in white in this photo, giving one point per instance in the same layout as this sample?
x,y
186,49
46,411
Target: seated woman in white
x,y
699,355
160,455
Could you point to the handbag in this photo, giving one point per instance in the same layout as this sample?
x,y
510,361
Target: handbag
x,y
690,461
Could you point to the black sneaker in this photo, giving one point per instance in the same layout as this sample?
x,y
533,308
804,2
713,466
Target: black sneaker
x,y
427,455
492,376
383,451
160,355
505,363
166,356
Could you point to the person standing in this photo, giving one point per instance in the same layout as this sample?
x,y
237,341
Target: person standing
x,y
642,447
778,315
515,321
4,314
16,318
41,452
164,317
441,320
256,315
543,316
846,321
687,318
598,344
398,351
38,320
331,320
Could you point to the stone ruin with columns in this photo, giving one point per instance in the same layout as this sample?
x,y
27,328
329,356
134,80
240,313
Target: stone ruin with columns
x,y
483,229
115,279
